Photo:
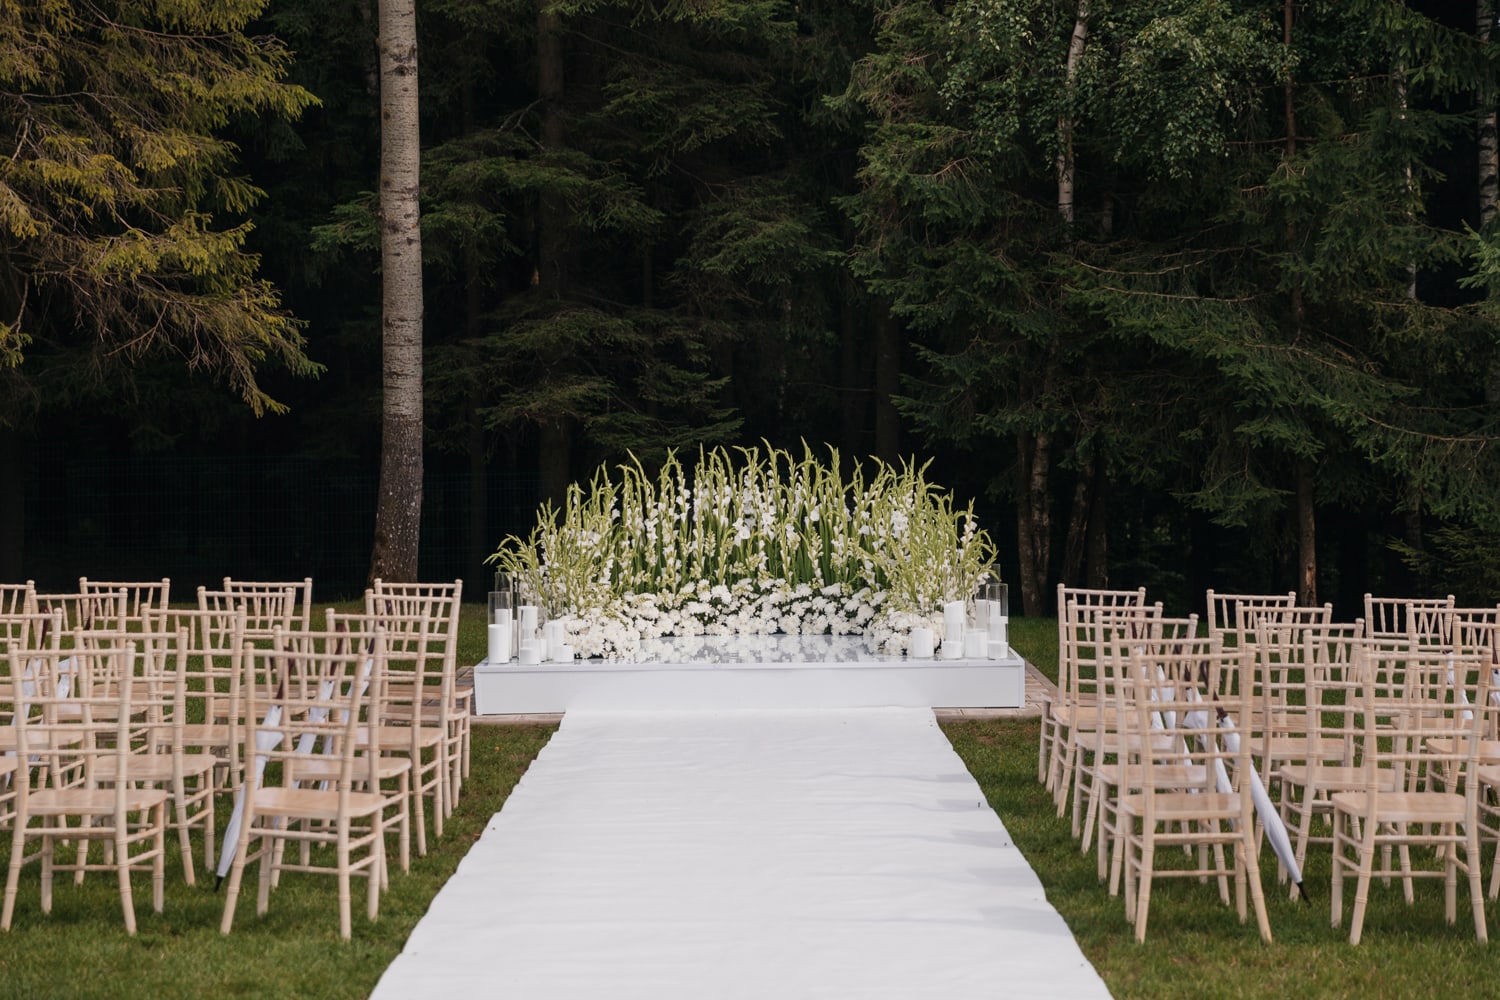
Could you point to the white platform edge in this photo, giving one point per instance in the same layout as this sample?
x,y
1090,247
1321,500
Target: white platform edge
x,y
513,689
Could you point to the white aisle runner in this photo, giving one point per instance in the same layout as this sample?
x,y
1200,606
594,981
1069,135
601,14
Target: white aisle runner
x,y
756,855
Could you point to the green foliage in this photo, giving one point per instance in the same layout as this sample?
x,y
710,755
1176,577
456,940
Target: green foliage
x,y
1229,301
121,216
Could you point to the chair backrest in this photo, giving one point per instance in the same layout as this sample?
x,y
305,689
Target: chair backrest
x,y
24,630
104,610
310,693
1089,638
1423,620
1071,603
212,639
1440,694
420,660
140,596
18,598
1183,705
71,707
1285,648
439,601
265,609
1241,612
1473,628
264,598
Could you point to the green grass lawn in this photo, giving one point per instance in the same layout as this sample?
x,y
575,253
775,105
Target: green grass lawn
x,y
1195,948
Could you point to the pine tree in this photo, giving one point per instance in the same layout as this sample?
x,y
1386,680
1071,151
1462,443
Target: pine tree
x,y
122,231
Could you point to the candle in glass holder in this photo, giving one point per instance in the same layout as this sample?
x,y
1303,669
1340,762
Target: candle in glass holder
x,y
999,626
502,604
919,644
501,642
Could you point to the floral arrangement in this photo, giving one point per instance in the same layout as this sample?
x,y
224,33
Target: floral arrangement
x,y
763,544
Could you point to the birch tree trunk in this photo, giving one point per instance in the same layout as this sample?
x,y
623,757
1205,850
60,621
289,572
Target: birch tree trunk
x,y
1065,122
398,512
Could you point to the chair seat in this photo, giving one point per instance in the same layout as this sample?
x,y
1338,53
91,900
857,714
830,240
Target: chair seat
x,y
1405,807
327,769
1489,750
91,801
1174,806
205,734
401,737
1167,775
8,739
1076,715
154,767
1333,776
1303,747
313,803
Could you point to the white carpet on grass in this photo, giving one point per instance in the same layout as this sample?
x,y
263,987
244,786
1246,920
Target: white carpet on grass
x,y
714,855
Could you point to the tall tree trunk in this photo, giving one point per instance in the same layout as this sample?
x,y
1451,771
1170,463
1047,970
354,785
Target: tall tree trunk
x,y
479,543
1307,536
1033,518
1489,145
887,383
14,460
1488,173
1307,550
1065,166
398,511
555,459
1075,545
552,215
853,392
555,431
1098,539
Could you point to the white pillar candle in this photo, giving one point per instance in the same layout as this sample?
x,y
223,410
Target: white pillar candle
x,y
999,630
975,642
554,635
531,653
500,641
562,653
919,644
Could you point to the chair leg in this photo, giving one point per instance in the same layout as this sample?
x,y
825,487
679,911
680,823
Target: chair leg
x,y
184,839
159,863
13,872
1143,896
346,922
49,845
1041,748
122,873
1258,897
372,891
1473,859
1362,888
271,850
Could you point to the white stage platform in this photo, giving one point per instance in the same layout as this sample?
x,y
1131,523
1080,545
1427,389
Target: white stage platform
x,y
755,672
754,854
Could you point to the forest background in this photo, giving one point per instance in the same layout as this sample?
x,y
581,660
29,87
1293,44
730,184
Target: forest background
x,y
1183,293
